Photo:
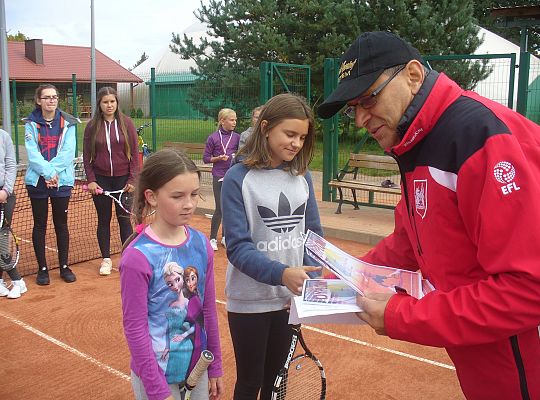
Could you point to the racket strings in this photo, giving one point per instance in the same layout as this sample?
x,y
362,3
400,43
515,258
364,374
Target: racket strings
x,y
8,249
302,381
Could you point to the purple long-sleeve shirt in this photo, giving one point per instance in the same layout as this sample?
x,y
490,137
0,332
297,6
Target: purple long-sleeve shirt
x,y
218,143
152,317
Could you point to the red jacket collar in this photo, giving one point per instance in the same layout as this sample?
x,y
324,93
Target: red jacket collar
x,y
444,92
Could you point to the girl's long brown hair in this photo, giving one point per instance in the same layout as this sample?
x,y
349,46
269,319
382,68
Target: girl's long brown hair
x,y
279,108
97,121
158,169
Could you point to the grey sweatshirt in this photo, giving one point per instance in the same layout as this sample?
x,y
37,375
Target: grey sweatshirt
x,y
8,164
265,213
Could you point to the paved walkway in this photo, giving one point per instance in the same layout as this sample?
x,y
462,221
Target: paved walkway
x,y
366,225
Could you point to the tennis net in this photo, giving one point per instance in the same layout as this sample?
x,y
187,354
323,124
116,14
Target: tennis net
x,y
82,222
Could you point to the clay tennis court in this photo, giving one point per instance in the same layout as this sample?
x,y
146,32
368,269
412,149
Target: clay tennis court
x,y
65,341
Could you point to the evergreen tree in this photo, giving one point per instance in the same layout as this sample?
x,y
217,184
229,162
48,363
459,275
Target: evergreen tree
x,y
243,33
143,58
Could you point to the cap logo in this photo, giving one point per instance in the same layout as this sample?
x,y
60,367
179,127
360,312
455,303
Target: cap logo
x,y
346,68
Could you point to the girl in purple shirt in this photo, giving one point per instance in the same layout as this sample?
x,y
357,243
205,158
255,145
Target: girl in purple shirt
x,y
160,319
221,147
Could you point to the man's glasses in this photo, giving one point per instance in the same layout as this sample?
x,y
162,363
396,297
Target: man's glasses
x,y
48,98
371,99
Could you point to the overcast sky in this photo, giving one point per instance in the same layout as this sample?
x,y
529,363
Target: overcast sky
x,y
123,28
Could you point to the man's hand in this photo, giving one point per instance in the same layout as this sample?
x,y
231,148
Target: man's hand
x,y
294,278
373,306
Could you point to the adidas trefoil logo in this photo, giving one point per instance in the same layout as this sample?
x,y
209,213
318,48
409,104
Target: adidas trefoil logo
x,y
284,221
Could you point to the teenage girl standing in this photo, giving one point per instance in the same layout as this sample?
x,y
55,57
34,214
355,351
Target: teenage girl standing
x,y
49,138
111,162
220,150
157,324
271,203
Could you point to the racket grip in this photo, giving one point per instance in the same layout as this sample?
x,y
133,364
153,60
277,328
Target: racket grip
x,y
202,364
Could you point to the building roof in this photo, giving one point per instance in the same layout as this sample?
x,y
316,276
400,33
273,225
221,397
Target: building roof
x,y
60,62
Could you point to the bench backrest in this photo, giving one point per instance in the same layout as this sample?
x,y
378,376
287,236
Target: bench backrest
x,y
189,148
361,160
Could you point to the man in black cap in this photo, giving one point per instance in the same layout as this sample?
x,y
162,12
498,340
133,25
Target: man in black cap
x,y
468,219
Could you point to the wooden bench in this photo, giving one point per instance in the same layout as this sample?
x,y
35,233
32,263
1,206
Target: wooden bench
x,y
196,149
351,177
85,111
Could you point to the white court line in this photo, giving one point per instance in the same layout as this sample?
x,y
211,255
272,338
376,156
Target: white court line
x,y
64,346
125,377
366,344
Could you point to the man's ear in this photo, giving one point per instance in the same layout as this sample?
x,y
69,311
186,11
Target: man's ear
x,y
415,75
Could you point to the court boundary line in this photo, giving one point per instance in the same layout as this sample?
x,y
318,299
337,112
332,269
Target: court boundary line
x,y
371,345
67,347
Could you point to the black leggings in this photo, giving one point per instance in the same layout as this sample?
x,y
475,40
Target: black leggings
x,y
216,218
9,206
261,343
103,206
40,213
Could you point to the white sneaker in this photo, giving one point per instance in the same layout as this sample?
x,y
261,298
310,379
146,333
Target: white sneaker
x,y
223,242
213,243
19,287
4,291
106,267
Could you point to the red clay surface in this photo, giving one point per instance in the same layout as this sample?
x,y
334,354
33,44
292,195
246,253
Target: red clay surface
x,y
65,341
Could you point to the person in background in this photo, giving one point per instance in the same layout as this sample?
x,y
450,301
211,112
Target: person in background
x,y
468,218
220,150
50,145
8,174
247,133
271,204
155,310
111,162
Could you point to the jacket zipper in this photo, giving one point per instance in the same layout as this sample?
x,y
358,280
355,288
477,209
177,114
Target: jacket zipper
x,y
521,369
410,211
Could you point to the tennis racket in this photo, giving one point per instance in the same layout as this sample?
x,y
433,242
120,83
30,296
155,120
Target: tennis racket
x,y
200,367
9,245
122,198
302,377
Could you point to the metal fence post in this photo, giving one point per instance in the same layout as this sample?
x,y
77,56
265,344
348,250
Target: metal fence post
x,y
523,82
266,82
15,119
330,130
153,107
75,111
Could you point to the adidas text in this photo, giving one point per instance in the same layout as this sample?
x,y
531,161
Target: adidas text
x,y
280,244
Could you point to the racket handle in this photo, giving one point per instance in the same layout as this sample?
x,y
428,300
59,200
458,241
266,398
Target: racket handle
x,y
204,361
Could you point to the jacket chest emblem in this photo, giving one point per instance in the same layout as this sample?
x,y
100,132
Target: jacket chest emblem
x,y
420,197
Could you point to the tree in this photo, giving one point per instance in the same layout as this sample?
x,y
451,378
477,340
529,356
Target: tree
x,y
19,37
243,33
143,58
482,10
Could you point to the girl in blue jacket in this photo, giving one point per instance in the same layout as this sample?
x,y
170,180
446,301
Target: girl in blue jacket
x,y
50,145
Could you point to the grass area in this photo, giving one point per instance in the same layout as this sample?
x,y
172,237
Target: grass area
x,y
197,131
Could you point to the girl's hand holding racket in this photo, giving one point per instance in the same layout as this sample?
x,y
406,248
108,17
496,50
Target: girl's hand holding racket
x,y
92,187
129,188
293,278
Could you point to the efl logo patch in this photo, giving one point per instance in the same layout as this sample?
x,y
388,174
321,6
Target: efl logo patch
x,y
505,173
420,197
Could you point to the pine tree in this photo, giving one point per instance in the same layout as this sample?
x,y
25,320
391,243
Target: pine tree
x,y
243,33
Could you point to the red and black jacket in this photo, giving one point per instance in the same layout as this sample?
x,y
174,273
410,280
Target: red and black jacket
x,y
469,218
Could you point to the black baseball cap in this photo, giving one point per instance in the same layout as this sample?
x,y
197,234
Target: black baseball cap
x,y
363,63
